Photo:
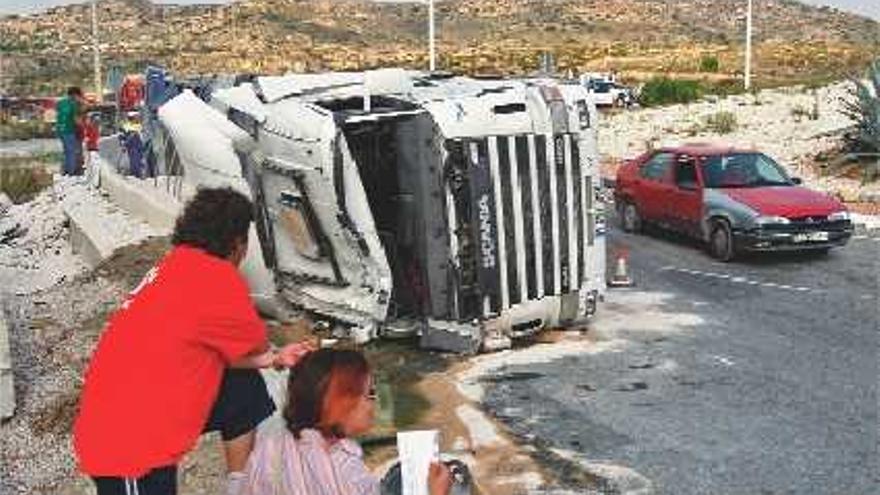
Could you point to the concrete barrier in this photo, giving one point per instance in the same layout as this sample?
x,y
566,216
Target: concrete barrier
x,y
156,206
7,390
87,238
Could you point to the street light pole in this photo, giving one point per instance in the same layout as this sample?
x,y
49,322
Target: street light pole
x,y
433,59
99,93
748,72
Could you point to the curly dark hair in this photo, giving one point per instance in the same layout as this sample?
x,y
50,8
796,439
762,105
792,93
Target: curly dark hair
x,y
214,220
322,387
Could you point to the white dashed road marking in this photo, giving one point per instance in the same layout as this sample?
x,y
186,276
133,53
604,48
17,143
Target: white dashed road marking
x,y
723,360
740,280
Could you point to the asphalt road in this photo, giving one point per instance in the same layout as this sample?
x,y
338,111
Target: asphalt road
x,y
758,377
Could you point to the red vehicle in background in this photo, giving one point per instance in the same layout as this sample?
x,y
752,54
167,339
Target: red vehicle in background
x,y
735,200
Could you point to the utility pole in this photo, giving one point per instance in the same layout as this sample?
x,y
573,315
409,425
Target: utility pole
x,y
748,72
234,28
433,63
97,52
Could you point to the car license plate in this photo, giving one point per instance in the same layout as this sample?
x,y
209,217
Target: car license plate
x,y
811,237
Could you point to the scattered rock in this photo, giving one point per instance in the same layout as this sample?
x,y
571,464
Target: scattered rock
x,y
5,203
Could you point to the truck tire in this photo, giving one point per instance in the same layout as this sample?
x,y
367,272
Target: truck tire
x,y
630,220
721,245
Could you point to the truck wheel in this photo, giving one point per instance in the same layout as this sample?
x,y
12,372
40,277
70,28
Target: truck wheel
x,y
620,101
721,242
629,217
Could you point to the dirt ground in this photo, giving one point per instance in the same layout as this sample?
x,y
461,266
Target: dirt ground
x,y
52,335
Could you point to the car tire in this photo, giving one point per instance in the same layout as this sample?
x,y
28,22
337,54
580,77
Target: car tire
x,y
630,220
721,245
620,102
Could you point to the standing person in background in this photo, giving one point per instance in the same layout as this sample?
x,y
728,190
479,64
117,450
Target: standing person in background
x,y
91,132
68,111
179,358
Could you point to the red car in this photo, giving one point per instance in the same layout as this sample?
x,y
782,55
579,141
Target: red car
x,y
735,200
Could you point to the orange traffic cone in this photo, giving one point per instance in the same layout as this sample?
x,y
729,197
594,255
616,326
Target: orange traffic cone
x,y
621,276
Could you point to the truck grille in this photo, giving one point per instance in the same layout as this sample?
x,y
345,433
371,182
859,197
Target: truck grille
x,y
518,212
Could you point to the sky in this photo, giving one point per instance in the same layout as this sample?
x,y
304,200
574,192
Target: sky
x,y
870,8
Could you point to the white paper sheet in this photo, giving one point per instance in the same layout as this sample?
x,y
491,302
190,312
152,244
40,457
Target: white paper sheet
x,y
417,449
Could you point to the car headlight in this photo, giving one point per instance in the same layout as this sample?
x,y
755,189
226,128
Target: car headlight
x,y
761,221
838,216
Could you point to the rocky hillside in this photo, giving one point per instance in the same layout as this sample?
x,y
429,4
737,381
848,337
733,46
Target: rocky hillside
x,y
638,38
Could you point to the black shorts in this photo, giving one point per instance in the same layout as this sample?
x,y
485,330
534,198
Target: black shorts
x,y
242,404
160,481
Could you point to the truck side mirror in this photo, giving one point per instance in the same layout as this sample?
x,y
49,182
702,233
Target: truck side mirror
x,y
797,181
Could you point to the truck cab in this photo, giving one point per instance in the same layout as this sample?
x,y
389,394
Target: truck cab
x,y
462,209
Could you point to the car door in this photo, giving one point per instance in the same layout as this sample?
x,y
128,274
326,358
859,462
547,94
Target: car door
x,y
653,183
684,204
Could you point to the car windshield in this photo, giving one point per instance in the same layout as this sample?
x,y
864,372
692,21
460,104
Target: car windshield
x,y
743,170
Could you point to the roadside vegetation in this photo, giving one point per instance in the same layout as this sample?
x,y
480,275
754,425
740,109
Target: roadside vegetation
x,y
863,142
11,130
864,108
721,122
21,178
800,112
666,91
709,63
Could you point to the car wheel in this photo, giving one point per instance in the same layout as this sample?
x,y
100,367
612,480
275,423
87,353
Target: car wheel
x,y
721,242
629,218
620,101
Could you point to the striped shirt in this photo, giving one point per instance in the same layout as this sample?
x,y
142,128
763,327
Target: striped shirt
x,y
281,464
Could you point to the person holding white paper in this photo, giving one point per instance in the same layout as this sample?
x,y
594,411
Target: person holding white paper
x,y
331,399
417,451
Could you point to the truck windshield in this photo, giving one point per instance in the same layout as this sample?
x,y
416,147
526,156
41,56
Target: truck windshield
x,y
743,170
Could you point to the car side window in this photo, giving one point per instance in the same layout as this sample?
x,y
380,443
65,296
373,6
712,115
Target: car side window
x,y
657,168
686,172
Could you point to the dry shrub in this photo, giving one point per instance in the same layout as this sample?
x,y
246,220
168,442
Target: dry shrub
x,y
21,184
722,122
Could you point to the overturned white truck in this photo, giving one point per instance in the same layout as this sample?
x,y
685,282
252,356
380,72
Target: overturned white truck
x,y
463,210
